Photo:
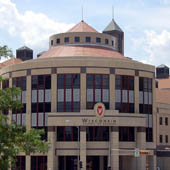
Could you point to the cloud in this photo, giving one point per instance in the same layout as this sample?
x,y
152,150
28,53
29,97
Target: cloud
x,y
153,47
33,28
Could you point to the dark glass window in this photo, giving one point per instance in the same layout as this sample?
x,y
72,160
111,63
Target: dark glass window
x,y
67,133
66,39
160,139
19,116
20,163
166,121
149,134
97,133
77,39
145,95
67,162
98,40
160,120
38,162
88,39
126,134
57,41
124,93
51,42
97,90
41,100
112,43
106,41
5,84
68,99
166,138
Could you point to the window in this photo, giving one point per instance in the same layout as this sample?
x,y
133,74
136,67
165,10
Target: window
x,y
20,163
124,94
166,138
97,90
149,134
68,99
160,120
145,95
126,134
98,40
160,139
38,162
66,39
77,39
57,41
51,42
156,84
41,100
5,84
106,41
19,116
112,43
166,121
88,39
67,133
97,133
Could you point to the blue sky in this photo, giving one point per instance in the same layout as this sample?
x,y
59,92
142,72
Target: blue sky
x,y
145,23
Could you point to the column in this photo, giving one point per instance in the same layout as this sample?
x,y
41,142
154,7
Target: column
x,y
112,91
141,144
136,90
28,162
152,162
101,163
28,102
52,158
114,143
83,146
83,91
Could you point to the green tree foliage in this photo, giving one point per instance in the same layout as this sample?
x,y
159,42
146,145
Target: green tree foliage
x,y
5,52
13,138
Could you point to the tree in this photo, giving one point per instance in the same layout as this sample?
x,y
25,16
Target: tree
x,y
5,52
13,138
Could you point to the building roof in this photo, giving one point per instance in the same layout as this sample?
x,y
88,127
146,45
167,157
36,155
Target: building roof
x,y
24,48
163,96
82,27
162,66
112,27
164,83
71,51
10,62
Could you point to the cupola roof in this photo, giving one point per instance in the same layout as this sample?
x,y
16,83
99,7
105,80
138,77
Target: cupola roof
x,y
82,27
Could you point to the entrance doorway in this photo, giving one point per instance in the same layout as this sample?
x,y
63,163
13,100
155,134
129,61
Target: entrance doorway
x,y
67,163
96,163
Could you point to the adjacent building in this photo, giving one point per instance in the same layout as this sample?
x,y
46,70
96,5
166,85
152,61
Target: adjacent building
x,y
99,108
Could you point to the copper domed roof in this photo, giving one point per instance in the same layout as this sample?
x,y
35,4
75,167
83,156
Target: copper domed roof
x,y
88,51
82,27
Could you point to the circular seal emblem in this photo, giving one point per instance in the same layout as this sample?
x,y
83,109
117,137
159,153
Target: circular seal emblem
x,y
99,109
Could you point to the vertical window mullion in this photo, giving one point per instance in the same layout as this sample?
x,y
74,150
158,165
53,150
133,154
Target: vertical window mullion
x,y
128,86
44,79
101,81
93,134
20,162
143,95
64,92
64,133
37,100
94,89
121,93
21,102
72,95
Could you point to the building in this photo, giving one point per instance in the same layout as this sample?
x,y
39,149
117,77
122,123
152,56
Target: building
x,y
97,106
163,117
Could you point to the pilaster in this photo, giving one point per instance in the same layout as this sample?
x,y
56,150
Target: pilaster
x,y
83,147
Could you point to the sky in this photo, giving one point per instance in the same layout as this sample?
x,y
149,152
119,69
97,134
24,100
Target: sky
x,y
146,24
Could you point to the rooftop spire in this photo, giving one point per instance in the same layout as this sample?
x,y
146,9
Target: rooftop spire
x,y
112,12
82,13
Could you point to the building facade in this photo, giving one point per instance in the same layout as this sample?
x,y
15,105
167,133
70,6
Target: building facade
x,y
98,107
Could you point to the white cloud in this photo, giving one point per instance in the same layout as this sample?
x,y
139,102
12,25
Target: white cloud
x,y
155,46
166,2
33,28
